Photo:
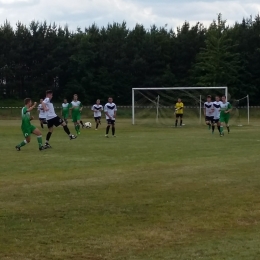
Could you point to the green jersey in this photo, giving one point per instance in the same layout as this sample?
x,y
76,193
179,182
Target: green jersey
x,y
224,107
76,106
26,118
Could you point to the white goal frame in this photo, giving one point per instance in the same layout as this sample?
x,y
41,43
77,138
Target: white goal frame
x,y
172,88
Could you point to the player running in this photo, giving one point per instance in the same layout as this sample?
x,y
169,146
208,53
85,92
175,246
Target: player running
x,y
42,114
27,127
65,110
53,119
208,112
97,108
110,111
225,108
216,106
179,112
76,108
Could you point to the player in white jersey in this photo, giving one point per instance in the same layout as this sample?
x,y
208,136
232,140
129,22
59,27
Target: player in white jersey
x,y
216,106
53,119
208,111
110,111
97,108
42,114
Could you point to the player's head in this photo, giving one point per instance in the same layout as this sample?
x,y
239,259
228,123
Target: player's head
x,y
75,97
65,101
217,98
49,94
224,98
41,100
98,101
209,98
179,100
27,101
110,100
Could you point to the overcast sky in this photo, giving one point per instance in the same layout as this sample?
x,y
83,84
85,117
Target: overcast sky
x,y
82,13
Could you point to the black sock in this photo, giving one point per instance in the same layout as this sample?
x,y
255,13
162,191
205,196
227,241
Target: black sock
x,y
97,125
176,122
213,128
41,125
181,123
48,137
219,128
66,129
107,130
81,123
113,130
228,128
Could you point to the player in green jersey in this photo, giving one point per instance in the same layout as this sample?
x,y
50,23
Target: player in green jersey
x,y
76,108
65,110
225,108
27,127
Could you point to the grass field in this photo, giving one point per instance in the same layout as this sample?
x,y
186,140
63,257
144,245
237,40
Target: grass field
x,y
149,194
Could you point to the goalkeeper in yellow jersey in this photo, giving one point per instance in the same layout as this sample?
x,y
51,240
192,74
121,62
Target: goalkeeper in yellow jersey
x,y
179,112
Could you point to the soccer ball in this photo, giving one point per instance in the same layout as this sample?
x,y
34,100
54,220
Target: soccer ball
x,y
88,125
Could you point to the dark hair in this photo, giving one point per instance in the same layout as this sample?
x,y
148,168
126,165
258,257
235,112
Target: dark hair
x,y
49,92
208,96
27,100
224,96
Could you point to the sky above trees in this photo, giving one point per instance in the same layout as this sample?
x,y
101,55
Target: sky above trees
x,y
82,13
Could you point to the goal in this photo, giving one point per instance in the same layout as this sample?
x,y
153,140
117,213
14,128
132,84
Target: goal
x,y
157,105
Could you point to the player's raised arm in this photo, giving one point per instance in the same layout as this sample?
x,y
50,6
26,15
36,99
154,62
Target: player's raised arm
x,y
32,107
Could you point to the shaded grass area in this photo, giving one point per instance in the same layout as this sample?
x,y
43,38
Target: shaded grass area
x,y
150,193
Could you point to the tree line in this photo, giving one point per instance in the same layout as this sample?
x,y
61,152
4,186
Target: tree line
x,y
110,61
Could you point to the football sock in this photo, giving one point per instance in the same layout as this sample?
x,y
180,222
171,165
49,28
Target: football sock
x,y
78,126
181,123
66,129
228,128
23,143
219,128
48,137
39,139
97,125
113,130
107,130
41,125
176,122
213,128
81,123
209,125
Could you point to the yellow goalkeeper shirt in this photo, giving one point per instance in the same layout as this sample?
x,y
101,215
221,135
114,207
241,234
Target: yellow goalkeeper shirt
x,y
179,106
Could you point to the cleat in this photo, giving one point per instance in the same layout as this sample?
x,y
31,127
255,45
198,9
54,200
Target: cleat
x,y
17,148
47,146
106,136
72,137
42,148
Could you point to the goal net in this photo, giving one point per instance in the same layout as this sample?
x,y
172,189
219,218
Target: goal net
x,y
156,106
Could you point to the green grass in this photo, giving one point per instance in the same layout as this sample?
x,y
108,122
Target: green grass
x,y
149,194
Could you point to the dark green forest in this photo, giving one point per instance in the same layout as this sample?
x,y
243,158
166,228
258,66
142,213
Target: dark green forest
x,y
99,62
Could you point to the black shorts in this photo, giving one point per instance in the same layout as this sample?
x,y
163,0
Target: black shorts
x,y
111,122
42,119
215,121
179,115
54,121
98,118
209,119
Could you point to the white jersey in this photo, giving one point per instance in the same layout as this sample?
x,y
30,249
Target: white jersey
x,y
208,106
217,105
42,113
110,109
97,110
50,113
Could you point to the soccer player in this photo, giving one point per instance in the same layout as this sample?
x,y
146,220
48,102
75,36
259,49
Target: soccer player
x,y
179,112
65,110
27,127
42,114
208,112
53,119
225,108
110,111
97,108
76,108
216,106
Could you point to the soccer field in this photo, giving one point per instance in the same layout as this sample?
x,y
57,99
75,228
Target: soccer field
x,y
149,194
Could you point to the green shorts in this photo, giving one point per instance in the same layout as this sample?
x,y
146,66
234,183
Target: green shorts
x,y
65,115
224,118
76,118
27,131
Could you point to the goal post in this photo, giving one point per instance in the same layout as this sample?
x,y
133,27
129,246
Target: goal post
x,y
156,103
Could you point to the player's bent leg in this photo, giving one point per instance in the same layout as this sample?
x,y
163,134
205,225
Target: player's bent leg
x,y
67,131
38,133
26,134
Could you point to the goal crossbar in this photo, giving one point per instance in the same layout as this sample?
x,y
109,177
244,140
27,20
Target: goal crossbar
x,y
172,88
